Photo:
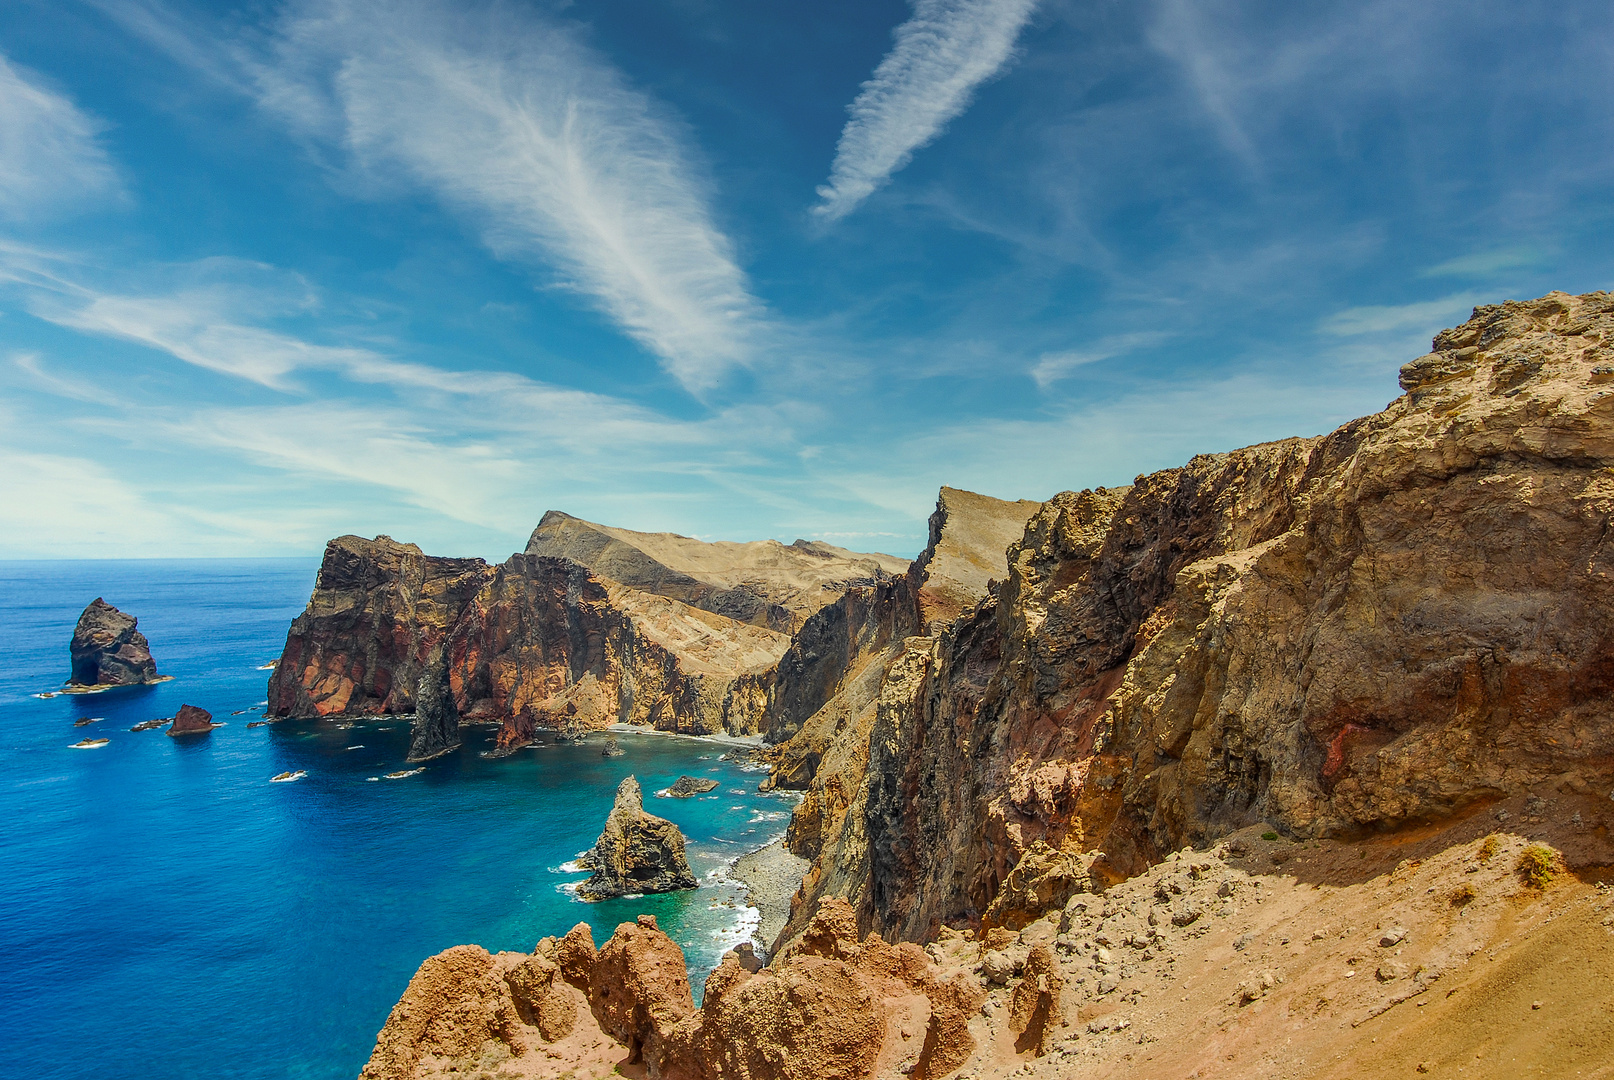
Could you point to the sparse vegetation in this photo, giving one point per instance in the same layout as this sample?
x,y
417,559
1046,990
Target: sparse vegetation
x,y
1463,895
1538,865
1269,836
1489,847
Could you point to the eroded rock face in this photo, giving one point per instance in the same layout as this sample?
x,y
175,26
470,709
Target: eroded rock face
x,y
636,852
764,582
107,650
436,727
1336,635
535,642
378,609
857,666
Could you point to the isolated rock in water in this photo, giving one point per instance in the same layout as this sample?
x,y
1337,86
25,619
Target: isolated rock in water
x,y
107,650
437,720
191,721
688,785
636,853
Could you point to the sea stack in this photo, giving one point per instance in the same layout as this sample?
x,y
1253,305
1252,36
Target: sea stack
x,y
636,852
107,650
436,729
191,720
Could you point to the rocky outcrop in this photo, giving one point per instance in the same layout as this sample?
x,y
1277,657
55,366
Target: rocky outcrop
x,y
107,650
191,720
859,658
1336,635
378,609
535,642
763,582
436,727
636,852
687,786
837,1006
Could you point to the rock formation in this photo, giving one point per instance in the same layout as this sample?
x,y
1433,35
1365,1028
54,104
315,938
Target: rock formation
x,y
107,650
688,785
636,852
1129,767
542,640
378,609
763,582
835,1007
191,720
1337,635
436,728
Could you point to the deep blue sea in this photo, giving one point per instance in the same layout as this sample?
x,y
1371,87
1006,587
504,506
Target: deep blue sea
x,y
166,911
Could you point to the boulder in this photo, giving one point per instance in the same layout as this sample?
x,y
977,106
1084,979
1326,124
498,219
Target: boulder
x,y
191,720
636,852
107,650
688,785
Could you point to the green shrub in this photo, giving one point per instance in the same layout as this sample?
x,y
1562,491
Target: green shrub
x,y
1269,836
1538,865
1489,847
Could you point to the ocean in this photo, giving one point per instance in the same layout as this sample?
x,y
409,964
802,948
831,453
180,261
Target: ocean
x,y
167,911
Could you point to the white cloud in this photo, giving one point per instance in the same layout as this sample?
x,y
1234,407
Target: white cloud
x,y
1430,314
1484,264
542,144
50,160
946,50
1051,367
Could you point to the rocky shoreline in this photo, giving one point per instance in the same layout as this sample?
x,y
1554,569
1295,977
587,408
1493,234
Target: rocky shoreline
x,y
771,876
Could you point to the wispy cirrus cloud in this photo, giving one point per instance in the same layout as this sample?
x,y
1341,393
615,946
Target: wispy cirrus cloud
x,y
50,158
946,50
510,119
542,144
1053,366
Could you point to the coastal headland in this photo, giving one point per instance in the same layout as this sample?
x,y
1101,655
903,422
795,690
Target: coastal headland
x,y
1293,760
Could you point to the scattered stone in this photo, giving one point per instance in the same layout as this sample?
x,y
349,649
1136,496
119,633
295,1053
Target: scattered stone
x,y
1392,937
688,785
191,720
148,725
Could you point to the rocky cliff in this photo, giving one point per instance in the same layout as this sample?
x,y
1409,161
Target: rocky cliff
x,y
526,644
1342,635
378,609
545,639
1200,733
107,650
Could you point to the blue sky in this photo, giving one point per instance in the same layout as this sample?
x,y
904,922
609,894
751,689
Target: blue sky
x,y
275,271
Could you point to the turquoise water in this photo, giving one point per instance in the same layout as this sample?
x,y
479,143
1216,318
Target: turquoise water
x,y
166,911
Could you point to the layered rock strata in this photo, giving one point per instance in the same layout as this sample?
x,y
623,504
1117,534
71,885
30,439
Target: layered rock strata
x,y
378,609
859,659
108,650
636,852
1340,635
763,582
534,642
